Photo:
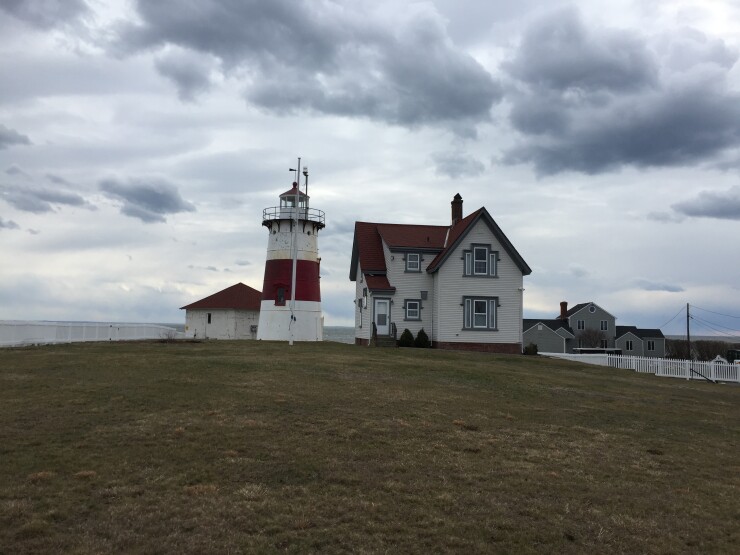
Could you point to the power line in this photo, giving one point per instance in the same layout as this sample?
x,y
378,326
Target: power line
x,y
709,326
718,313
680,310
713,324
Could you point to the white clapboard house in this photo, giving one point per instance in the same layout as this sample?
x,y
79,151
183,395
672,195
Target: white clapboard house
x,y
462,283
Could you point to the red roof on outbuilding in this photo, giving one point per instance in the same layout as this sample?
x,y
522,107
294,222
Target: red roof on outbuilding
x,y
238,296
378,283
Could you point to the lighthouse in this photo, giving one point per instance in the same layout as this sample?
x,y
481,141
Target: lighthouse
x,y
291,293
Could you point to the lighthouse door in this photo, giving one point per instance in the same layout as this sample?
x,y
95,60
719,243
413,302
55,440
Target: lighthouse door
x,y
382,320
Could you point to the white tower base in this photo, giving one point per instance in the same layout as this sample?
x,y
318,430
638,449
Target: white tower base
x,y
275,322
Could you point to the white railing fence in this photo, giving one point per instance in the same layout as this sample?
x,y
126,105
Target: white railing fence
x,y
15,333
686,369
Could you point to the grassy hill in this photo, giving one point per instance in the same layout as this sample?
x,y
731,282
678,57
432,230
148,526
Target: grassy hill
x,y
225,447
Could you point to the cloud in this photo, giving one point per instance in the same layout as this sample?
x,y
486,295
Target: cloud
x,y
383,62
188,70
15,169
647,285
666,217
8,224
39,199
577,271
560,52
58,180
457,164
243,263
709,204
9,137
45,14
146,199
594,100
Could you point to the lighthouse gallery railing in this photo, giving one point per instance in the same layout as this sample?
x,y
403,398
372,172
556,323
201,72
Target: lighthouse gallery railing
x,y
287,213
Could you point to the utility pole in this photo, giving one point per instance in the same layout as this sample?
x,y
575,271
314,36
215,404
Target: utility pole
x,y
688,334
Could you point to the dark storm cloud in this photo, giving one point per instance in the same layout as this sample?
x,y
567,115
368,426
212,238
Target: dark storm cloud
x,y
8,224
710,204
188,71
560,53
39,199
679,127
146,199
457,164
45,14
648,285
399,68
10,137
594,100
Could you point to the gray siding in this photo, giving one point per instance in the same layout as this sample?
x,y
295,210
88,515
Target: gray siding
x,y
409,286
547,340
451,286
363,316
592,321
637,347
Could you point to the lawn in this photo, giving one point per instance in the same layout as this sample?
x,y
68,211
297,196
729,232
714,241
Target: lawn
x,y
228,447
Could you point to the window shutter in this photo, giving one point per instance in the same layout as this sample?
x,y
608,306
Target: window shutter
x,y
468,263
492,266
492,313
468,313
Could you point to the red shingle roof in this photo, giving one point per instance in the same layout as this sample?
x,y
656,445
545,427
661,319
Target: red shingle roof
x,y
238,296
378,283
367,248
413,236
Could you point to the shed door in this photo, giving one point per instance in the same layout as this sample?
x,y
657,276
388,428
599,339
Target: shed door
x,y
382,316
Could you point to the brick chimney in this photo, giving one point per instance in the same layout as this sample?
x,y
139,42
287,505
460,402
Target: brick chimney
x,y
456,209
564,310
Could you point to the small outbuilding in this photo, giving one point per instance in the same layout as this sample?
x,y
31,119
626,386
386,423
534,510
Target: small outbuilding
x,y
229,314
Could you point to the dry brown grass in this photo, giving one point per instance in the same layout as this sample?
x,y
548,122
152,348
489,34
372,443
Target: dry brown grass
x,y
255,447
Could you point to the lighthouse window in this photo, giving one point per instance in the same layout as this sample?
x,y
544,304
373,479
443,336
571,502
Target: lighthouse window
x,y
280,297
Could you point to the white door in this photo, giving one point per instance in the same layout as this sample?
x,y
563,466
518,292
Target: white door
x,y
382,316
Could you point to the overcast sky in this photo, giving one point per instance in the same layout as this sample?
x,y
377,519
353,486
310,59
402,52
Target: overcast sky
x,y
140,141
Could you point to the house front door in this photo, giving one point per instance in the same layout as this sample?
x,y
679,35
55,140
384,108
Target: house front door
x,y
382,316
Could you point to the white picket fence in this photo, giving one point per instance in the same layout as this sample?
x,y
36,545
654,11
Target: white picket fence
x,y
16,333
686,369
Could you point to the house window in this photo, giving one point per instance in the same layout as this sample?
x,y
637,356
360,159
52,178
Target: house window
x,y
604,325
592,309
581,324
604,343
479,313
209,317
650,345
480,261
628,345
413,309
413,262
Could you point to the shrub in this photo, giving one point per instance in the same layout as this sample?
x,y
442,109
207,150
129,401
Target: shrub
x,y
406,339
422,339
530,349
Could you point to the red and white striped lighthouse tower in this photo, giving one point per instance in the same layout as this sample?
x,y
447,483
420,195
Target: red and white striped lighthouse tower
x,y
292,265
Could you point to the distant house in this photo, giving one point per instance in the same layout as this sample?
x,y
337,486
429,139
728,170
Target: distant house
x,y
229,314
461,283
640,342
586,327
